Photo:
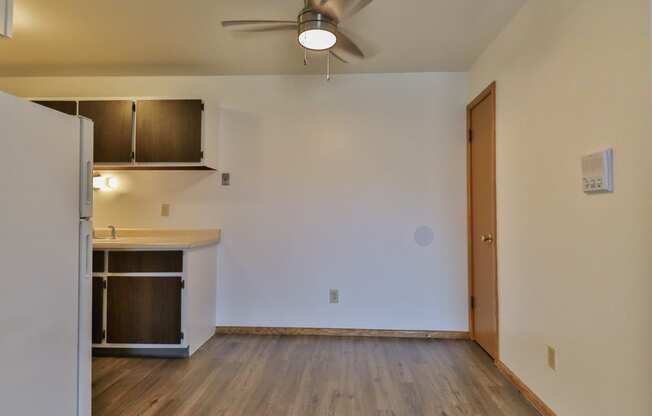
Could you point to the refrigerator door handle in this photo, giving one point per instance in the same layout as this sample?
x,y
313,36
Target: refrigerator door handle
x,y
89,182
88,270
86,168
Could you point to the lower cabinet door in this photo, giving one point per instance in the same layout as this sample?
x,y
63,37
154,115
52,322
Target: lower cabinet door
x,y
98,308
143,310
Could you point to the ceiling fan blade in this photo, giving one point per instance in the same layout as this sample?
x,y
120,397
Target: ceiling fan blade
x,y
260,25
356,6
337,57
280,28
332,8
346,50
337,9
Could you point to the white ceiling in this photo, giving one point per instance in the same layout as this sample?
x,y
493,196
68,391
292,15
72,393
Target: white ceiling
x,y
184,37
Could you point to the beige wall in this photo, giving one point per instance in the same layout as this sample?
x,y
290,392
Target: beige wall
x,y
329,182
573,77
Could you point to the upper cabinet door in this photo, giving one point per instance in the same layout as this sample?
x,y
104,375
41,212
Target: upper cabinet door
x,y
67,107
113,129
169,131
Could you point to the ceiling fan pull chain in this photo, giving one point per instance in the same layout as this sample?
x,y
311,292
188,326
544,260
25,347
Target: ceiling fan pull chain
x,y
305,57
328,66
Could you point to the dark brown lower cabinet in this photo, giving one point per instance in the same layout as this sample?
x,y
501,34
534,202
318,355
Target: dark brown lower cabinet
x,y
144,310
98,261
146,262
98,308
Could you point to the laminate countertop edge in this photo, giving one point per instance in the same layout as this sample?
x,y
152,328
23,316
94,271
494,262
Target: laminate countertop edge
x,y
132,239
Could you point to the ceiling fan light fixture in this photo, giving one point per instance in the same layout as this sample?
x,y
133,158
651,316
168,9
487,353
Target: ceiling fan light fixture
x,y
316,32
317,39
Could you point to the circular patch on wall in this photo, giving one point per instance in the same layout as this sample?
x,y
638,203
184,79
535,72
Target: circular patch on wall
x,y
424,236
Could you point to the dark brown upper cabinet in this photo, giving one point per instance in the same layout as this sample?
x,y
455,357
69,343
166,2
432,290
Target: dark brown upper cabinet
x,y
113,129
169,131
67,107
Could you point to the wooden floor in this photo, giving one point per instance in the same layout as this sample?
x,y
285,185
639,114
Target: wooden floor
x,y
241,375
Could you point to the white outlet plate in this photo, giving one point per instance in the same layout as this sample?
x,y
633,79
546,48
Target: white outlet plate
x,y
334,296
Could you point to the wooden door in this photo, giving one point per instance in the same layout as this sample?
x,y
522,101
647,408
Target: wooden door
x,y
144,310
66,107
169,131
482,221
113,129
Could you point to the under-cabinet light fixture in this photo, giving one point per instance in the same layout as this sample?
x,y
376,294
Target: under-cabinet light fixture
x,y
105,183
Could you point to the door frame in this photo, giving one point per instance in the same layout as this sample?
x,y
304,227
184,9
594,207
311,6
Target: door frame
x,y
490,91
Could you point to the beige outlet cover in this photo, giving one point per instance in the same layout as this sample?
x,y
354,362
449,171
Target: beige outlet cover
x,y
165,210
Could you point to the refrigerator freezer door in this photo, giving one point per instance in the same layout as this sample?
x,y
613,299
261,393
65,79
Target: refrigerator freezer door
x,y
85,317
86,168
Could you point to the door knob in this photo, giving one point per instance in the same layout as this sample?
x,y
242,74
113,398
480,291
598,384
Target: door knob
x,y
487,238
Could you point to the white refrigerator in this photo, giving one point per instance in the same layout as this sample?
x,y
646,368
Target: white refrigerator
x,y
46,258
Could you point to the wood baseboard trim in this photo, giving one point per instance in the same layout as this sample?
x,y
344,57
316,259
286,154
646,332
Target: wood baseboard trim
x,y
529,395
335,332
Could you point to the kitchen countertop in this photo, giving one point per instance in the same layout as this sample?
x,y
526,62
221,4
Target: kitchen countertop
x,y
143,238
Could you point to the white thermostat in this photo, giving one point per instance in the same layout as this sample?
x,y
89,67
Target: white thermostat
x,y
597,172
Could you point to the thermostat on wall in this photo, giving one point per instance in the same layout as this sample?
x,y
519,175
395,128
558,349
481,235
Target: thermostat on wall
x,y
597,172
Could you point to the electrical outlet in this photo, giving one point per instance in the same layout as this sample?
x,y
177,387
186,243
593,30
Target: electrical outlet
x,y
226,179
165,210
334,296
552,358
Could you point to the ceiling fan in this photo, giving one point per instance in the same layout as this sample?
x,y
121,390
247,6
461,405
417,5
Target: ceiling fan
x,y
316,27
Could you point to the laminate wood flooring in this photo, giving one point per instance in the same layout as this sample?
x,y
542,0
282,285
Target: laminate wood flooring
x,y
245,375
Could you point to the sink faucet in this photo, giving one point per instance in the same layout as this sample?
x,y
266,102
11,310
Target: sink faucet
x,y
114,232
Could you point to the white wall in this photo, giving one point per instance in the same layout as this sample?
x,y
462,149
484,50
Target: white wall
x,y
329,183
573,77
